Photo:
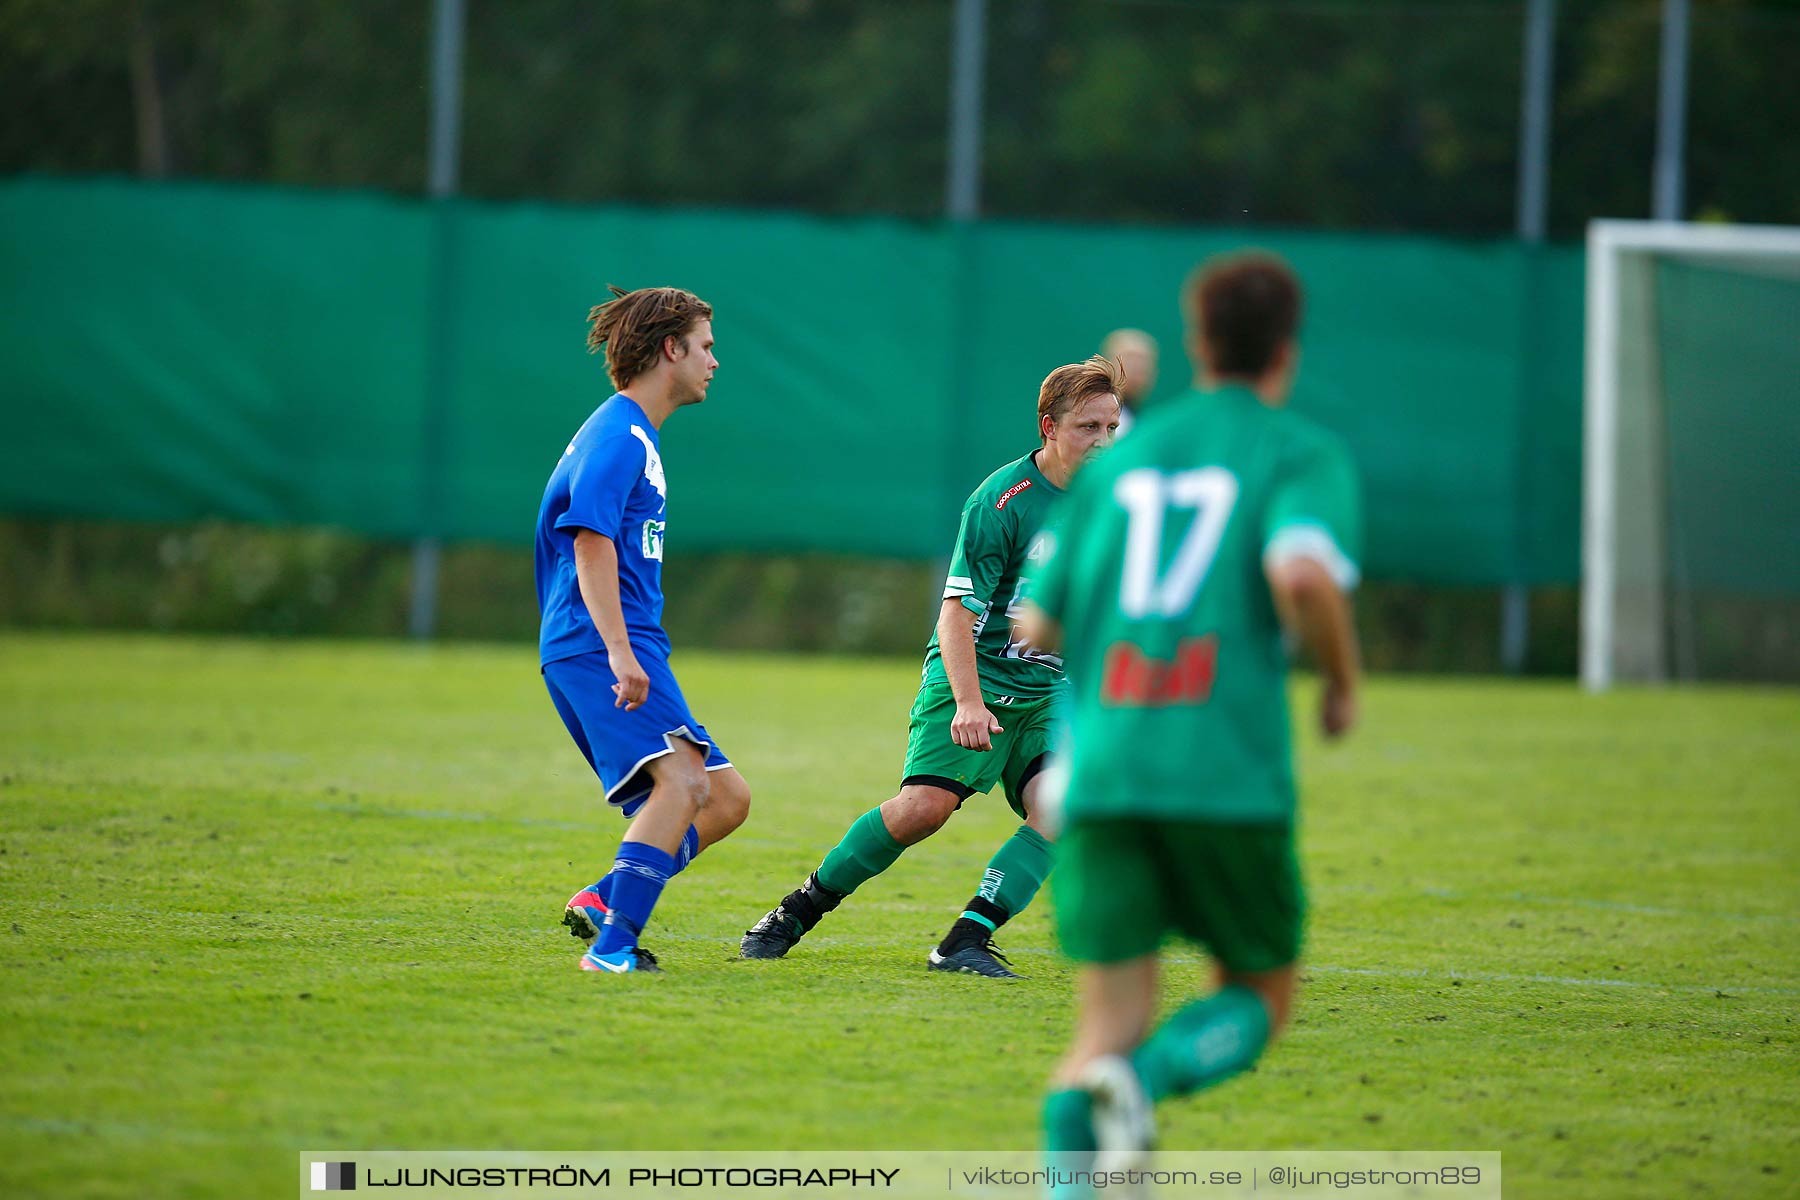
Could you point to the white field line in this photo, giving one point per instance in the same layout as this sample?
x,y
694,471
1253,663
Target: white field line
x,y
1310,968
1725,989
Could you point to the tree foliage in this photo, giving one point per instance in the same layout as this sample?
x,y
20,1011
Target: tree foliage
x,y
1384,115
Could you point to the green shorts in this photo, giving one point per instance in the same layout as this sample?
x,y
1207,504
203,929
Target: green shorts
x,y
933,757
1124,883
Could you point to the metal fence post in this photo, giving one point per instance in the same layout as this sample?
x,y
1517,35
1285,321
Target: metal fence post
x,y
1669,201
448,21
968,61
962,207
1536,92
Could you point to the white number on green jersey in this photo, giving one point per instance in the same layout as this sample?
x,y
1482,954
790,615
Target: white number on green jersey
x,y
1147,495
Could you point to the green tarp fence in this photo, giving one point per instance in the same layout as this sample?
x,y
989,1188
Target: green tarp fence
x,y
173,352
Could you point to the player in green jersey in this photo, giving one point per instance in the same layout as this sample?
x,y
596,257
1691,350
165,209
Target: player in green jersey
x,y
983,711
1181,556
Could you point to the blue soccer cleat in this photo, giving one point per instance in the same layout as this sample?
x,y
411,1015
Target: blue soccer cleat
x,y
621,962
585,913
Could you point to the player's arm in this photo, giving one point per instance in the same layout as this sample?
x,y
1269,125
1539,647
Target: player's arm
x,y
973,726
977,564
1040,630
1316,610
1311,541
597,574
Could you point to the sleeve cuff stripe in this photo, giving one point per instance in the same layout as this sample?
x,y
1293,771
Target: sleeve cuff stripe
x,y
1314,542
960,581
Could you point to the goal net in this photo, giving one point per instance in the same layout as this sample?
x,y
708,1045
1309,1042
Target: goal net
x,y
1691,523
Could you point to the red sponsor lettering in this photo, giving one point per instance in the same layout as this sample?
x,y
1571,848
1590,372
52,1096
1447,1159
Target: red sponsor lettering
x,y
1010,492
1132,679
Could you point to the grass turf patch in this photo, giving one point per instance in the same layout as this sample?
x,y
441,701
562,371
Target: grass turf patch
x,y
261,897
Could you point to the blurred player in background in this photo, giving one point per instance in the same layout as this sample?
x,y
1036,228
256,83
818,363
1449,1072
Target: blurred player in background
x,y
604,653
985,702
1180,558
1135,351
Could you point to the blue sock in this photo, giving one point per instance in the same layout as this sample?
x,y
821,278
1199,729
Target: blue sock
x,y
690,846
638,875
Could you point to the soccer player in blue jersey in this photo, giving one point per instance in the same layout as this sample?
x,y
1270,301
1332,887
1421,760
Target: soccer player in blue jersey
x,y
604,653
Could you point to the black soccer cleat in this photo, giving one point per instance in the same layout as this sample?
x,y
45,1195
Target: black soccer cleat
x,y
974,958
788,922
773,936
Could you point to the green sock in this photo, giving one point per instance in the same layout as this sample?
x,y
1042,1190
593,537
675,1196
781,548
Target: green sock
x,y
1205,1043
1068,1121
866,851
1013,876
1068,1139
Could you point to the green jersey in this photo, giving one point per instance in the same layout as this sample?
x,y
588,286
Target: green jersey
x,y
1003,524
1174,650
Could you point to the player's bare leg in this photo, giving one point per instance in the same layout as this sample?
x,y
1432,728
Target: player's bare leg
x,y
1214,1038
870,846
917,812
679,791
1276,988
1113,1007
1096,1102
1122,1073
646,860
727,807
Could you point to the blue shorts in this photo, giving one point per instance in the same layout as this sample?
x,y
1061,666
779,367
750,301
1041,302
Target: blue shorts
x,y
619,744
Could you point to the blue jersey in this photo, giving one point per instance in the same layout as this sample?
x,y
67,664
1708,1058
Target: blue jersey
x,y
610,480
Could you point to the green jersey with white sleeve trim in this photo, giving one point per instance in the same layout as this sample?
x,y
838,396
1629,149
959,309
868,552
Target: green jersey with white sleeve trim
x,y
1174,650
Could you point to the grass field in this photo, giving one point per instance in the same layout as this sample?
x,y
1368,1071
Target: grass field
x,y
260,897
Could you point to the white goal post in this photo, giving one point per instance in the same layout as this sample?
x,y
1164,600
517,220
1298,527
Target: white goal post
x,y
1625,565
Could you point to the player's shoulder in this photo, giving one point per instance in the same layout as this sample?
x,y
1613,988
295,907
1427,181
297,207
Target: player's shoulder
x,y
618,413
1162,435
1294,435
617,423
1306,439
1232,422
1007,484
1303,429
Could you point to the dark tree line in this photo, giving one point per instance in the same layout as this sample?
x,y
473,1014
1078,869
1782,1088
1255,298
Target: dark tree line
x,y
1328,113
